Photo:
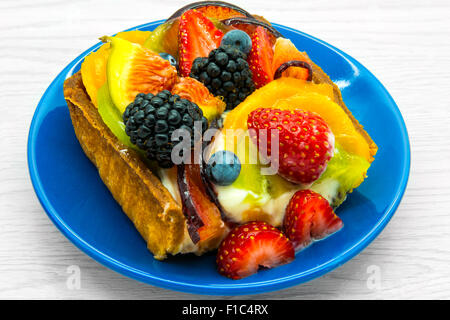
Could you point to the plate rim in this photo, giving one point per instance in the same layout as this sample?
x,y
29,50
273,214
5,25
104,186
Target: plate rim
x,y
233,288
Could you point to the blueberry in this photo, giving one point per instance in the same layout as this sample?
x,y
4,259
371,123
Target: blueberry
x,y
238,39
223,168
169,58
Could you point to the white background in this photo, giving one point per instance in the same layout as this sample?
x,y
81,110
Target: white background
x,y
406,44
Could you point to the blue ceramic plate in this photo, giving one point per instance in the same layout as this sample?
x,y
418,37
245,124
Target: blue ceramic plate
x,y
75,199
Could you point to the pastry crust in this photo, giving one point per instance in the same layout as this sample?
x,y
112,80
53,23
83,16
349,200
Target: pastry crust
x,y
144,199
154,212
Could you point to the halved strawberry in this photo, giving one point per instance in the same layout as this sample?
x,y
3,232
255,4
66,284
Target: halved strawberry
x,y
309,217
260,57
250,246
306,143
198,36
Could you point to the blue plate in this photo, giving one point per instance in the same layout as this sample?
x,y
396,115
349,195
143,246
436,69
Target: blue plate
x,y
75,199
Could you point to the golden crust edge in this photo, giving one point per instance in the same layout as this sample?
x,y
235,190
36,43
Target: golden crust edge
x,y
319,76
77,97
162,227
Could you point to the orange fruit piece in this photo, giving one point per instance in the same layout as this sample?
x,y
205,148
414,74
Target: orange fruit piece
x,y
195,91
285,51
133,69
337,119
289,93
219,12
93,71
93,68
268,95
135,36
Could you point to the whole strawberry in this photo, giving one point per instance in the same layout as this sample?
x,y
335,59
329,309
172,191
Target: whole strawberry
x,y
249,246
306,143
309,217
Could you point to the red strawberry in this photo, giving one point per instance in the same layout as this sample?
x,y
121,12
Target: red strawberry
x,y
250,246
309,217
306,143
198,36
260,57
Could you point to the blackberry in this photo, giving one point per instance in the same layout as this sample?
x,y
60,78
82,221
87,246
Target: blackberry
x,y
225,72
151,119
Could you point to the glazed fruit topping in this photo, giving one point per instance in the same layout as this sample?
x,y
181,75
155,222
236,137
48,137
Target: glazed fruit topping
x,y
250,246
260,58
285,58
223,168
306,143
309,217
164,38
198,36
195,91
134,69
225,73
249,24
213,9
151,119
294,63
238,39
203,216
169,58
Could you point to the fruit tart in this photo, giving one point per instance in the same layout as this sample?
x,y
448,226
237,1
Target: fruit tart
x,y
213,131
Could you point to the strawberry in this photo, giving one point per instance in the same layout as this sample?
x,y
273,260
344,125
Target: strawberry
x,y
306,143
249,246
309,217
260,57
198,36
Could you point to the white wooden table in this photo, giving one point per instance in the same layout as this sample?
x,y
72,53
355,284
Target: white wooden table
x,y
406,44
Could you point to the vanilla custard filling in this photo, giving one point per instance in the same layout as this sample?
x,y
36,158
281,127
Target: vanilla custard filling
x,y
237,202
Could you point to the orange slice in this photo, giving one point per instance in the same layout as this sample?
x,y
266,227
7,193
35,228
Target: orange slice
x,y
195,91
93,68
268,95
285,51
290,93
340,124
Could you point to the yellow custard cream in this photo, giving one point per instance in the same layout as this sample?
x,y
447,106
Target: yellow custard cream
x,y
254,196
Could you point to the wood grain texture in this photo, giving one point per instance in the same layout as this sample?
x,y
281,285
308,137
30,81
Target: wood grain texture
x,y
405,43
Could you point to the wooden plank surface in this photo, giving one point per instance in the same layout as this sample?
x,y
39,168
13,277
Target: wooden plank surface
x,y
406,44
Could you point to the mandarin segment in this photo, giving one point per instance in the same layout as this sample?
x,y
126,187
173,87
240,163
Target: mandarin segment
x,y
195,91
